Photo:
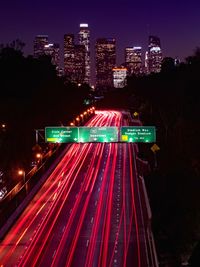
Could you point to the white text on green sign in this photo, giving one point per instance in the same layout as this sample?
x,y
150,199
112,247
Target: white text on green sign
x,y
142,134
61,134
98,134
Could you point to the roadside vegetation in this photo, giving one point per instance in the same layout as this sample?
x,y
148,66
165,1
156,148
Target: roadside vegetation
x,y
170,101
32,97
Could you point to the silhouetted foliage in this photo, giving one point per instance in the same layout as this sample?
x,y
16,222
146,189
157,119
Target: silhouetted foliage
x,y
32,97
168,64
194,260
169,100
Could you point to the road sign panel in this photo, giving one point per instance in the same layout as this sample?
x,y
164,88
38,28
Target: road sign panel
x,y
145,134
98,134
142,134
61,134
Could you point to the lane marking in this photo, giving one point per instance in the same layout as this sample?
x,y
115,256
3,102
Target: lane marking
x,y
54,254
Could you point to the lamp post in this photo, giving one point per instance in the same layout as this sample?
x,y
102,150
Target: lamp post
x,y
38,157
22,173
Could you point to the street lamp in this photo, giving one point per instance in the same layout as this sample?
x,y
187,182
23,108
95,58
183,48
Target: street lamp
x,y
77,120
3,127
38,157
22,173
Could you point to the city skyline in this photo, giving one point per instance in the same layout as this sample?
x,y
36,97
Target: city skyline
x,y
77,59
129,22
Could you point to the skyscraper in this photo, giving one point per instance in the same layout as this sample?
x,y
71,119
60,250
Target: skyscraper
x,y
154,55
43,47
84,39
119,77
74,60
133,60
69,55
105,52
79,64
146,65
53,51
39,44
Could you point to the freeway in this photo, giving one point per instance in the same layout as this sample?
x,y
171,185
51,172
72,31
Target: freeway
x,y
88,213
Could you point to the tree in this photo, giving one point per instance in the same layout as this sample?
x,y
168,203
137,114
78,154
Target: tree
x,y
168,64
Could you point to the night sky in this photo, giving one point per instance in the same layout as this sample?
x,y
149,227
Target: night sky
x,y
177,23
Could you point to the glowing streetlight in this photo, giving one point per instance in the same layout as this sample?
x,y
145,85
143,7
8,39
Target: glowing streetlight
x,y
38,155
3,127
22,173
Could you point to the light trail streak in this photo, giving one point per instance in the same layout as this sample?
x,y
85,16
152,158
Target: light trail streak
x,y
77,232
134,207
79,177
21,236
50,214
107,223
124,204
94,234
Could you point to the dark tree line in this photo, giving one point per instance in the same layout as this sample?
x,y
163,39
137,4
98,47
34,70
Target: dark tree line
x,y
32,97
170,101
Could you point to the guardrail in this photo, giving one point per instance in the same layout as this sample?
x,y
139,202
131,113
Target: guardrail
x,y
18,198
151,248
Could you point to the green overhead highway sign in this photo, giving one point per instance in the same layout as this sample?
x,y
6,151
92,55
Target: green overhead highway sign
x,y
61,134
132,134
98,134
81,134
142,134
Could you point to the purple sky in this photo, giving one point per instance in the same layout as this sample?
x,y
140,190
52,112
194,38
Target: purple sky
x,y
177,23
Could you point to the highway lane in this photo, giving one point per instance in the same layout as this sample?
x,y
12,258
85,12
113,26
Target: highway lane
x,y
88,213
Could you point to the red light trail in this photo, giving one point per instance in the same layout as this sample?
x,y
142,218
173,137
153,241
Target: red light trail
x,y
87,213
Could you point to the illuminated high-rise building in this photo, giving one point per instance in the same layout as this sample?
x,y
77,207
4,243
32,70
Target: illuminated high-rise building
x,y
74,60
69,54
119,77
105,52
79,64
39,45
53,51
84,39
146,65
129,54
154,55
133,60
43,47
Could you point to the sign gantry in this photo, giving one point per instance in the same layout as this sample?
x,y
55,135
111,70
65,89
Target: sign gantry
x,y
131,134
